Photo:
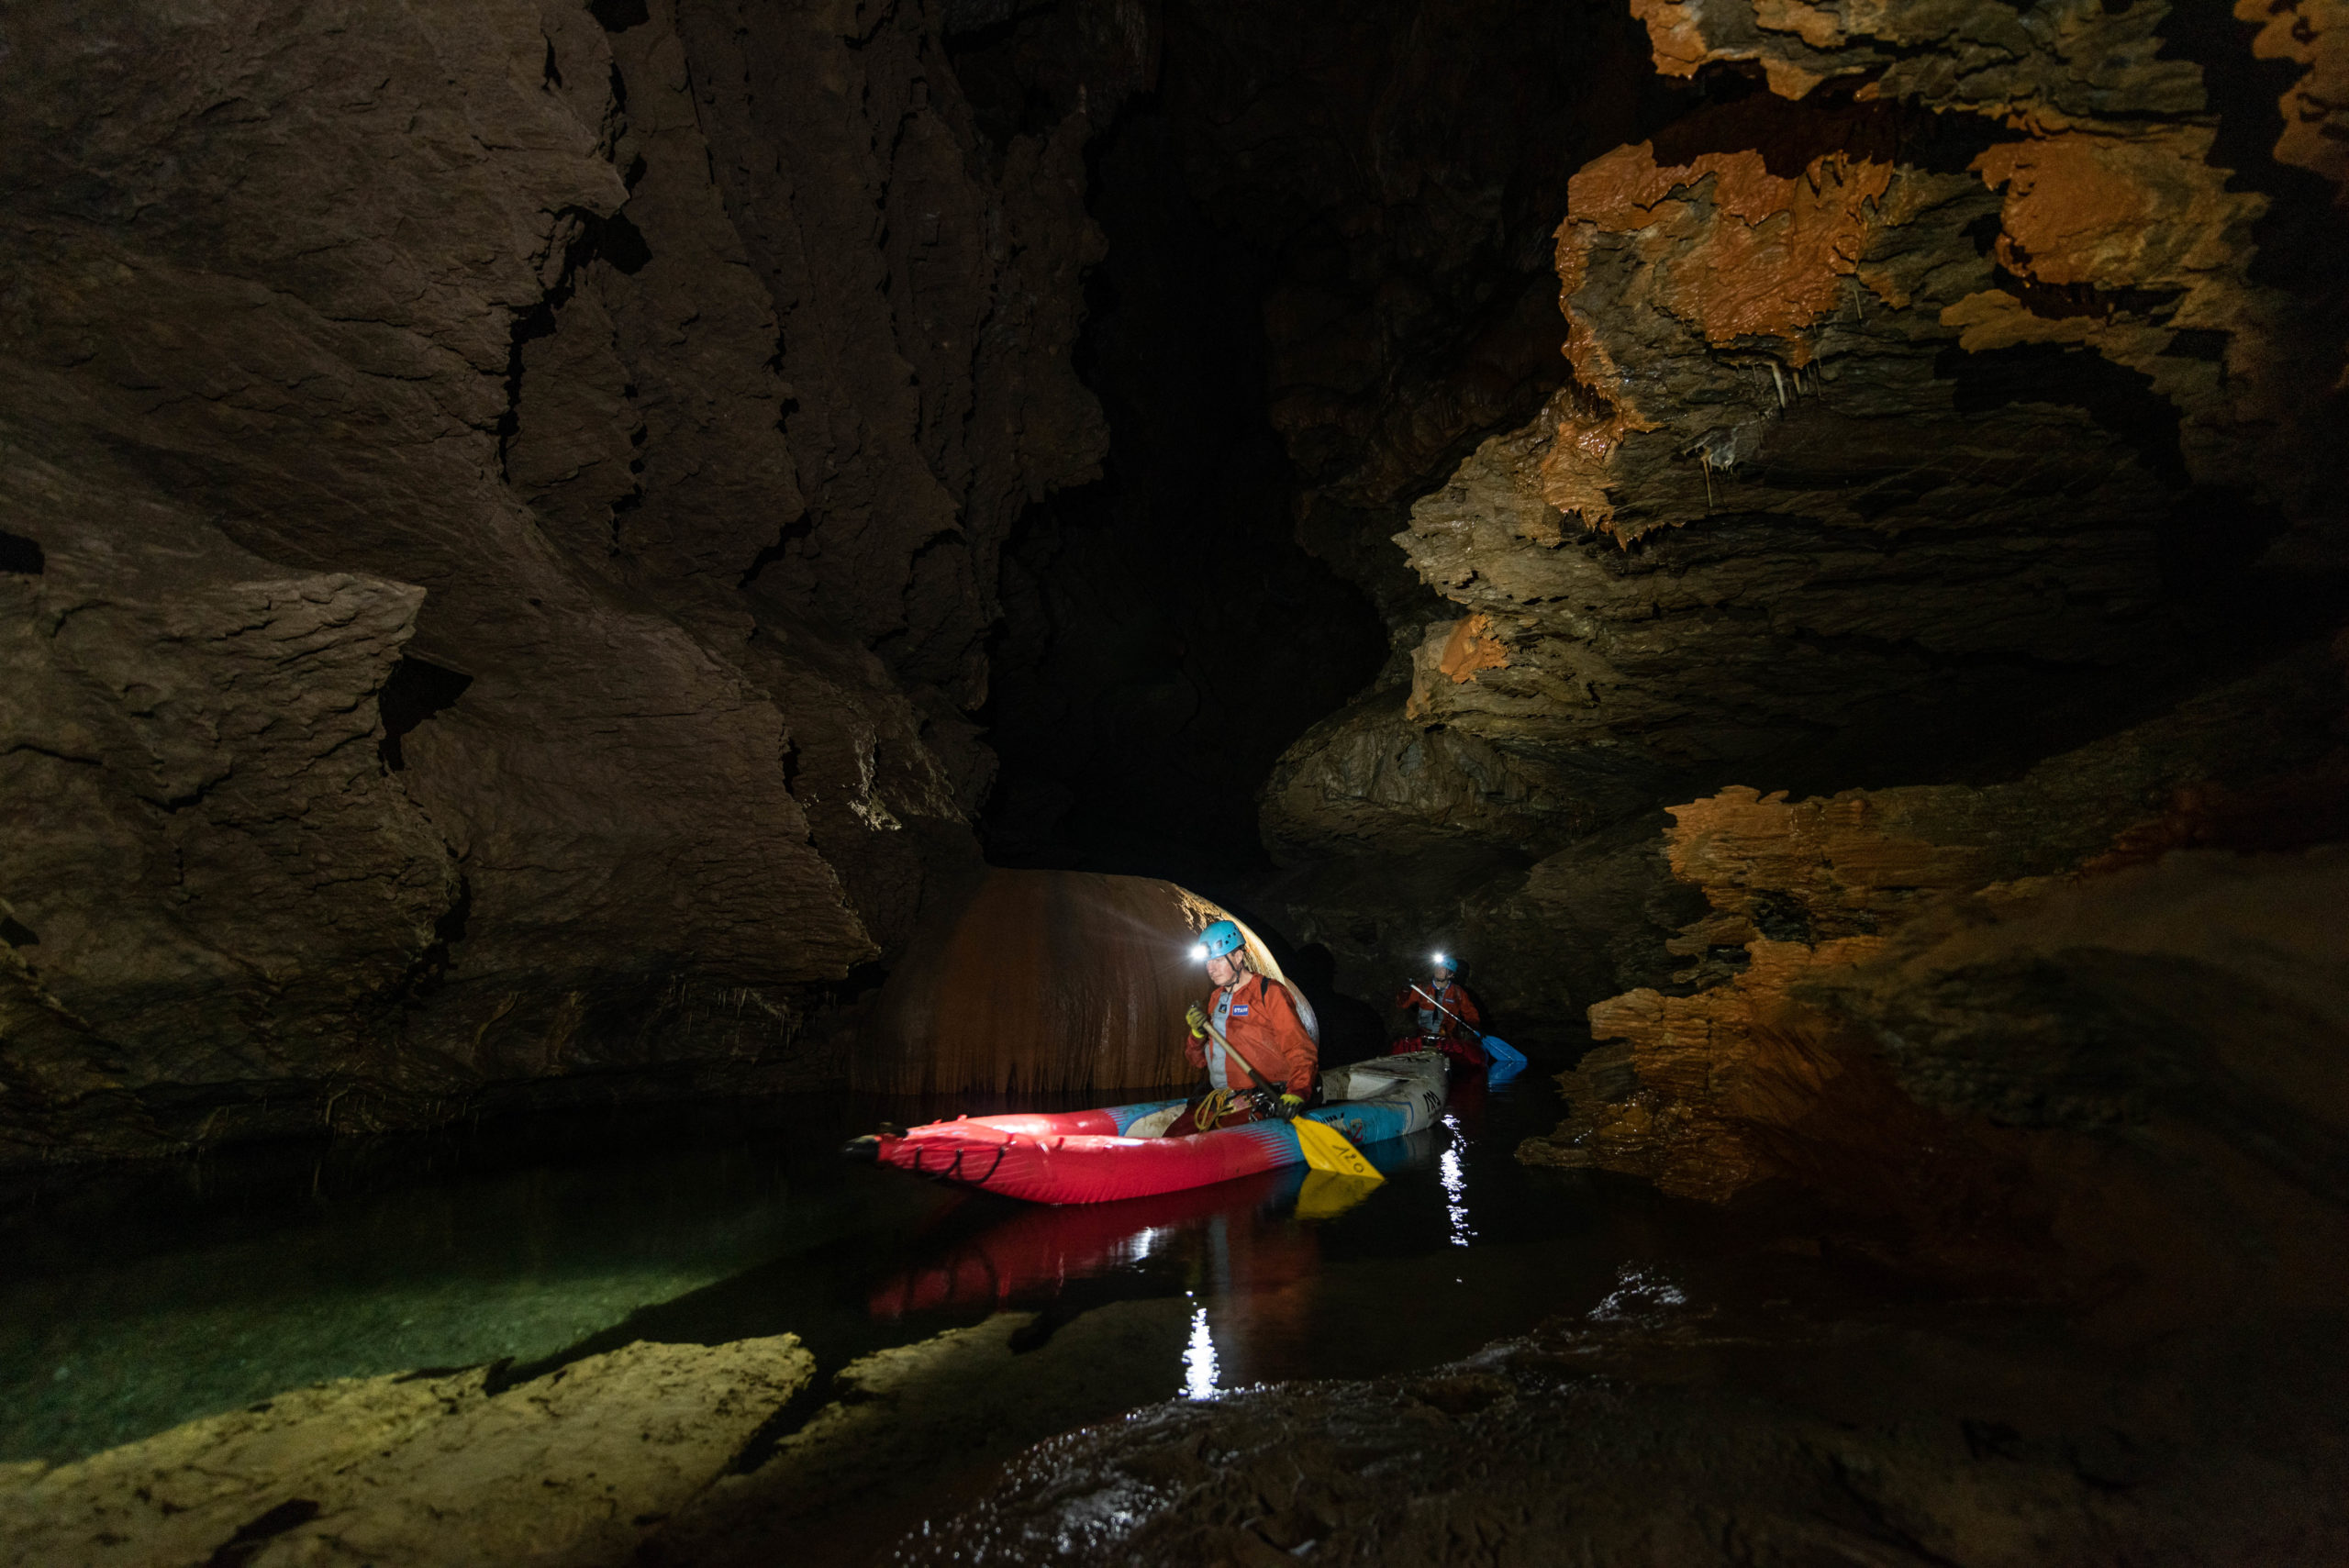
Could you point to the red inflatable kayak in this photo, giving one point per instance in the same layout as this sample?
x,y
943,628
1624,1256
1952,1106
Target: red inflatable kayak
x,y
1091,1156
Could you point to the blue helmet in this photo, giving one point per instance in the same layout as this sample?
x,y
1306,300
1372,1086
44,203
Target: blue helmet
x,y
1219,939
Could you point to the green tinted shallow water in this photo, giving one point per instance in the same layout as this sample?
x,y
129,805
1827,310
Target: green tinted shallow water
x,y
132,1302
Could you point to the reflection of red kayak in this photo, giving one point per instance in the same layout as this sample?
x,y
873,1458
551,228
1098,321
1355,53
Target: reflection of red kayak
x,y
1088,1156
1034,1251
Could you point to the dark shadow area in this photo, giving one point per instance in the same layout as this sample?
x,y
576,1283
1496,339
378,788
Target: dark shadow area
x,y
1165,638
416,690
1327,277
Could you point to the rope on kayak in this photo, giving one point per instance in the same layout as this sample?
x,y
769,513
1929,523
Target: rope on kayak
x,y
953,1170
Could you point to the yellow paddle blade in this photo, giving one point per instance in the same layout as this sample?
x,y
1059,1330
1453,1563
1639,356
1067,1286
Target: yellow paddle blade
x,y
1326,1195
1326,1149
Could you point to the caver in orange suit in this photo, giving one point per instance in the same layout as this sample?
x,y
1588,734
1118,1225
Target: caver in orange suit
x,y
1439,1025
1269,1047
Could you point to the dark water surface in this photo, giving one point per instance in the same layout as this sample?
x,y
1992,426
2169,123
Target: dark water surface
x,y
132,1302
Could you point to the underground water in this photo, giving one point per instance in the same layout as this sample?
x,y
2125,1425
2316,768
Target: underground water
x,y
600,599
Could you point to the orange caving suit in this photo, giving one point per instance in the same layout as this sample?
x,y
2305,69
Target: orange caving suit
x,y
1260,1020
1438,1032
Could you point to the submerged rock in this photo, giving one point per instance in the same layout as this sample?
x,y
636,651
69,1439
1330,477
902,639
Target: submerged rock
x,y
917,1429
576,1467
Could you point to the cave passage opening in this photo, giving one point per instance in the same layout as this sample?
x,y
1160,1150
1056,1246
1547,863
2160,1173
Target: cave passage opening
x,y
1330,270
1326,275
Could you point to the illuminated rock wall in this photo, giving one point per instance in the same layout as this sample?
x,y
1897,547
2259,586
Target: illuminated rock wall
x,y
502,510
1045,981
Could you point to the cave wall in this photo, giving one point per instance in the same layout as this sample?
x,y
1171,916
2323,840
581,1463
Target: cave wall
x,y
2130,931
1943,511
1952,388
528,530
503,507
1327,277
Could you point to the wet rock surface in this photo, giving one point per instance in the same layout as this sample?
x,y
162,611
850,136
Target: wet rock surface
x,y
924,1426
1688,1435
426,1467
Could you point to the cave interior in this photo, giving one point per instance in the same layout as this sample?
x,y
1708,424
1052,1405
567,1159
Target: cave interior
x,y
560,558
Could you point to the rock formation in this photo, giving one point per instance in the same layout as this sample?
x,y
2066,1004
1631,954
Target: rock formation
x,y
1691,1436
1951,417
574,1467
1043,982
528,532
503,514
2067,1026
1824,493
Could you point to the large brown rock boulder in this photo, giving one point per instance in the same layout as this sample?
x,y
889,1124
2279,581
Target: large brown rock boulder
x,y
502,505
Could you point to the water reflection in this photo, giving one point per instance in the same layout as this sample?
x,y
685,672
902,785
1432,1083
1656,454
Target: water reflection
x,y
1453,1174
120,1315
1198,1360
1252,1235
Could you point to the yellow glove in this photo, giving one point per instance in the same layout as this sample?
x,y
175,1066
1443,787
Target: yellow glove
x,y
1197,1019
1290,1106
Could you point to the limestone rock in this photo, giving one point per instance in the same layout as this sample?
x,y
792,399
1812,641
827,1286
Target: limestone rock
x,y
196,814
2209,985
1814,1053
574,1467
1371,779
916,1424
1539,942
639,405
1893,389
1662,1430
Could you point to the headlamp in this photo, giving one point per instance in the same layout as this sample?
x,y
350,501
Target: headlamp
x,y
1199,952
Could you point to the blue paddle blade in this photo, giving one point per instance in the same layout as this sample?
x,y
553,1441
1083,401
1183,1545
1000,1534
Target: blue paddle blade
x,y
1507,1060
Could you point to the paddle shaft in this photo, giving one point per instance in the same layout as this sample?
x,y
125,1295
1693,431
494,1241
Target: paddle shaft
x,y
1335,1152
1448,1013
